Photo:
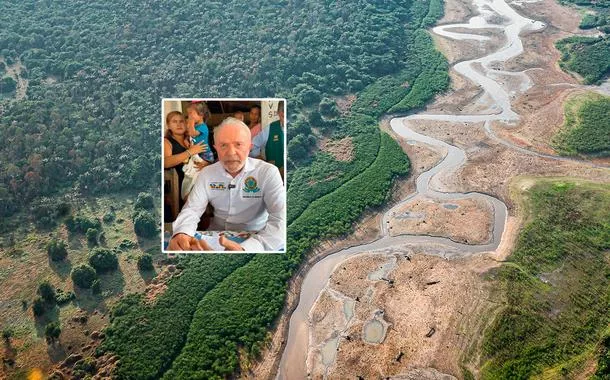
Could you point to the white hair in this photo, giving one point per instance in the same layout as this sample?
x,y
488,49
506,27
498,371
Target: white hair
x,y
233,121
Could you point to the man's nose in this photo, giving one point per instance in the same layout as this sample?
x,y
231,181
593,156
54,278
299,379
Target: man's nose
x,y
231,150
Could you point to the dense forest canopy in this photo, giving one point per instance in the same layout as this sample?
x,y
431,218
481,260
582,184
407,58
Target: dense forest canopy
x,y
96,72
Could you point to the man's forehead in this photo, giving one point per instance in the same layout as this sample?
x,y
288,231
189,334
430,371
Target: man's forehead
x,y
231,132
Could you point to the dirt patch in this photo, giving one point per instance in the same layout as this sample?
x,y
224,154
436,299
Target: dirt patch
x,y
466,221
462,50
344,104
456,11
341,150
434,308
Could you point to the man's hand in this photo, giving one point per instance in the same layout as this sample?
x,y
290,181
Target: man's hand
x,y
184,242
229,244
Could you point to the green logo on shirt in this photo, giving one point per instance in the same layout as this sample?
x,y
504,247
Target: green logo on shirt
x,y
250,185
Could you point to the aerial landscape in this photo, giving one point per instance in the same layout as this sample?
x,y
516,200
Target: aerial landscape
x,y
448,191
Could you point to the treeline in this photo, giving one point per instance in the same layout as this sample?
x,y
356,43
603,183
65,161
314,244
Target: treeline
x,y
586,56
556,287
148,335
586,128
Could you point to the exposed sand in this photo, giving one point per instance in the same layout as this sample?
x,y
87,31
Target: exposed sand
x,y
464,220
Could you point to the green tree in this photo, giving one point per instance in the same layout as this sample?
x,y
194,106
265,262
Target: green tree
x,y
47,292
38,307
144,201
83,276
145,224
91,235
145,262
103,260
52,332
56,249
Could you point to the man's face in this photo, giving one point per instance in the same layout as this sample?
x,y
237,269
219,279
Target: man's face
x,y
280,114
233,144
255,115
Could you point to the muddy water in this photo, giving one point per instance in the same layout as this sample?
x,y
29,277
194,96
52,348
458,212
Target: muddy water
x,y
293,362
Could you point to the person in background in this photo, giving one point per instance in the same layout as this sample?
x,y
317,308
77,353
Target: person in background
x,y
198,114
177,148
239,116
247,195
269,144
255,121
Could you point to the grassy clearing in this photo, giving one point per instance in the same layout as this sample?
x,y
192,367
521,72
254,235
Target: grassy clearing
x,y
23,255
586,129
556,285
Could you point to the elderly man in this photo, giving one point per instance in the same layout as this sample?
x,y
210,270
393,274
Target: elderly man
x,y
247,194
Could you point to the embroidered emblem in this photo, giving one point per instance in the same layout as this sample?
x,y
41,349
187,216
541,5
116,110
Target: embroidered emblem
x,y
250,185
217,186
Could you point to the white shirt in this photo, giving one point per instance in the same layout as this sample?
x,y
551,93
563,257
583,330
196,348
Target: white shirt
x,y
254,200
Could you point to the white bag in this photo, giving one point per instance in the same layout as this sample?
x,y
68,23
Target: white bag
x,y
190,175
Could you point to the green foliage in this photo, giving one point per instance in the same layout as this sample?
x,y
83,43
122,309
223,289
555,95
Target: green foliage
x,y
587,56
81,223
103,260
56,249
236,313
147,337
83,276
52,331
109,217
590,21
145,262
62,297
144,201
96,286
39,306
603,362
46,291
84,368
7,85
145,224
46,212
92,236
586,127
557,284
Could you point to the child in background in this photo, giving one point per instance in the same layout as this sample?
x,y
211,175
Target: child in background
x,y
198,114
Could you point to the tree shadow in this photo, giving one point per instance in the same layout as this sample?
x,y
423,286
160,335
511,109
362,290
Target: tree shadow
x,y
74,241
148,275
61,268
40,322
56,351
86,300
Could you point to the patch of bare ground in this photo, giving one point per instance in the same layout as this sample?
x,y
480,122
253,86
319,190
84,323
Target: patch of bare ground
x,y
341,150
541,107
463,96
367,229
466,221
434,308
344,104
462,50
456,11
490,165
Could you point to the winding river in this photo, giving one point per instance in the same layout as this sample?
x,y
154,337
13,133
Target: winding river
x,y
492,80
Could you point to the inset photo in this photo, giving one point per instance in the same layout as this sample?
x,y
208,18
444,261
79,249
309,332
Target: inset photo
x,y
223,182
